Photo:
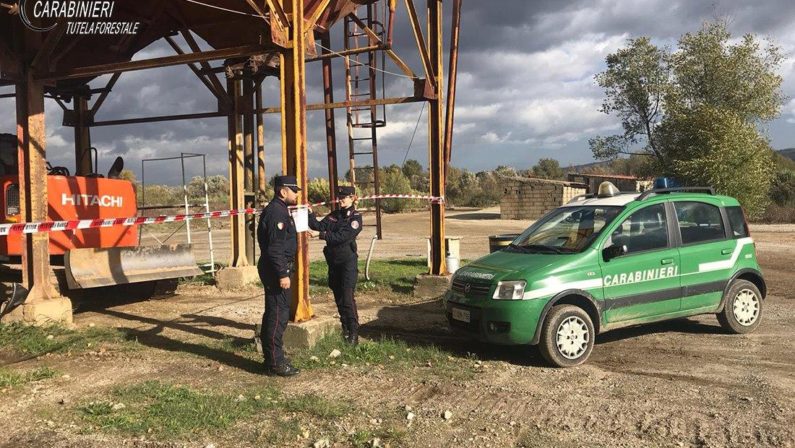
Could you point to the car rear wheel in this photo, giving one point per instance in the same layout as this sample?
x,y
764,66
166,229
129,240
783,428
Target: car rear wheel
x,y
742,307
567,336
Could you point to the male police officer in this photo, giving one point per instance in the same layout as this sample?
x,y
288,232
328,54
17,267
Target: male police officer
x,y
277,242
339,229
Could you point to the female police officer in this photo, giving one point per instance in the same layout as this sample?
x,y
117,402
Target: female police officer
x,y
339,229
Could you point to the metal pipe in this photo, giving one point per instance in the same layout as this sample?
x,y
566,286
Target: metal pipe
x,y
451,83
331,135
185,194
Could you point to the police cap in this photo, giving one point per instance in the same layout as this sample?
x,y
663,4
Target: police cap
x,y
287,181
345,190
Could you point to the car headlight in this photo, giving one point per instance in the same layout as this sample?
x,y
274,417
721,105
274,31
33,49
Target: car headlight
x,y
512,290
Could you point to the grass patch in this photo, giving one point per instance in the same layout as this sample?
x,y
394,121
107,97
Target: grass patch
x,y
36,341
389,275
388,352
205,279
173,411
10,378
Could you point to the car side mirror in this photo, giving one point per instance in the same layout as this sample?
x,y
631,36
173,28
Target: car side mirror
x,y
614,251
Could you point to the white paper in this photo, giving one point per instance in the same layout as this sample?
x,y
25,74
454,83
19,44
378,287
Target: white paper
x,y
301,219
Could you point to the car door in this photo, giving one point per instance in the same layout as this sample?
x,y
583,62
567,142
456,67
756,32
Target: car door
x,y
707,252
644,281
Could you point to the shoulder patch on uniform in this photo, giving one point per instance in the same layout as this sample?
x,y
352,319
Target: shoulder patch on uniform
x,y
355,224
280,225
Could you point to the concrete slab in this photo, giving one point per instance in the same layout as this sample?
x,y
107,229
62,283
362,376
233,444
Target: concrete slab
x,y
431,286
303,335
42,312
230,279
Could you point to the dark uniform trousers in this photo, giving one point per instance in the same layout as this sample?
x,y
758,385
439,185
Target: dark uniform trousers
x,y
339,229
277,240
342,281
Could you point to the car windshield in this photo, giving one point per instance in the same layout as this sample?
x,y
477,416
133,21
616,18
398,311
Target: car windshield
x,y
565,230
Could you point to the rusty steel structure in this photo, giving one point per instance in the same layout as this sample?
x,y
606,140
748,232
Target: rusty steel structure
x,y
253,39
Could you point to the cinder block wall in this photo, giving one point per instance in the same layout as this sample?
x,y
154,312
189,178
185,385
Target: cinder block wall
x,y
528,198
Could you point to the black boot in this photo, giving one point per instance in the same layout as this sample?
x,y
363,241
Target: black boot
x,y
282,370
346,332
353,336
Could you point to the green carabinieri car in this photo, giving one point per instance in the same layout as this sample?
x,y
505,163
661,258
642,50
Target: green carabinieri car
x,y
609,261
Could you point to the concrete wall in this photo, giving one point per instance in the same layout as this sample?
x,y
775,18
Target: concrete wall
x,y
527,198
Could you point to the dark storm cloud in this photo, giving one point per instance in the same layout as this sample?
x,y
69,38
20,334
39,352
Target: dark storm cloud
x,y
525,90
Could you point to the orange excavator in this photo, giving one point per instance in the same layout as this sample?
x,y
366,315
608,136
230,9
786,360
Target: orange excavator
x,y
92,257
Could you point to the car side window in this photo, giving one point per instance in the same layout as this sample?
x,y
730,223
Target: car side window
x,y
737,222
699,222
646,229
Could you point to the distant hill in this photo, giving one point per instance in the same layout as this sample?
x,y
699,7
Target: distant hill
x,y
785,158
789,152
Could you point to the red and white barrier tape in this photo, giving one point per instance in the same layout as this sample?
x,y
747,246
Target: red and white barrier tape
x,y
60,226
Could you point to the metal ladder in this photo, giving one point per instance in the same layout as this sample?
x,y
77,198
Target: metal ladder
x,y
362,82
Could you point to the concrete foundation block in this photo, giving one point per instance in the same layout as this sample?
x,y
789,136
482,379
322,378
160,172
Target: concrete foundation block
x,y
230,279
431,286
53,311
302,335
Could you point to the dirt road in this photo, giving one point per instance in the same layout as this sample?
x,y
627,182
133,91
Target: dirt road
x,y
679,383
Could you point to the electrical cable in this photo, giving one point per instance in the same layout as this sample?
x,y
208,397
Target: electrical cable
x,y
414,133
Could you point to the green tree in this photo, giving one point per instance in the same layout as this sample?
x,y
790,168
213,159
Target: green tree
x,y
709,146
394,182
635,82
548,169
681,107
318,190
412,168
782,190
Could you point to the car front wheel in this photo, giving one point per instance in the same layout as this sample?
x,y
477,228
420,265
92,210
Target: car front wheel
x,y
567,336
742,308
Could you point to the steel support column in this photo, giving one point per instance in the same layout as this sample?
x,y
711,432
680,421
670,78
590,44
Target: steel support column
x,y
261,181
236,168
293,98
82,137
31,152
435,143
331,135
249,165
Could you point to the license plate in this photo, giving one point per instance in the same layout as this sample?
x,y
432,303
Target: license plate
x,y
462,315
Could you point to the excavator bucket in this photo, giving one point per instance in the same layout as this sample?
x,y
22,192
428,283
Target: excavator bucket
x,y
92,268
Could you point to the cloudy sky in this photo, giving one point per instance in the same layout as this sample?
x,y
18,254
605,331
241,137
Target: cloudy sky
x,y
526,88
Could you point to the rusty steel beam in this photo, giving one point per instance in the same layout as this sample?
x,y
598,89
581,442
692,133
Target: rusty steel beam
x,y
236,190
435,146
390,22
105,92
261,181
331,134
216,93
293,98
159,119
31,153
206,69
420,40
452,77
325,54
249,164
82,137
167,61
380,45
315,14
264,110
277,11
47,48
